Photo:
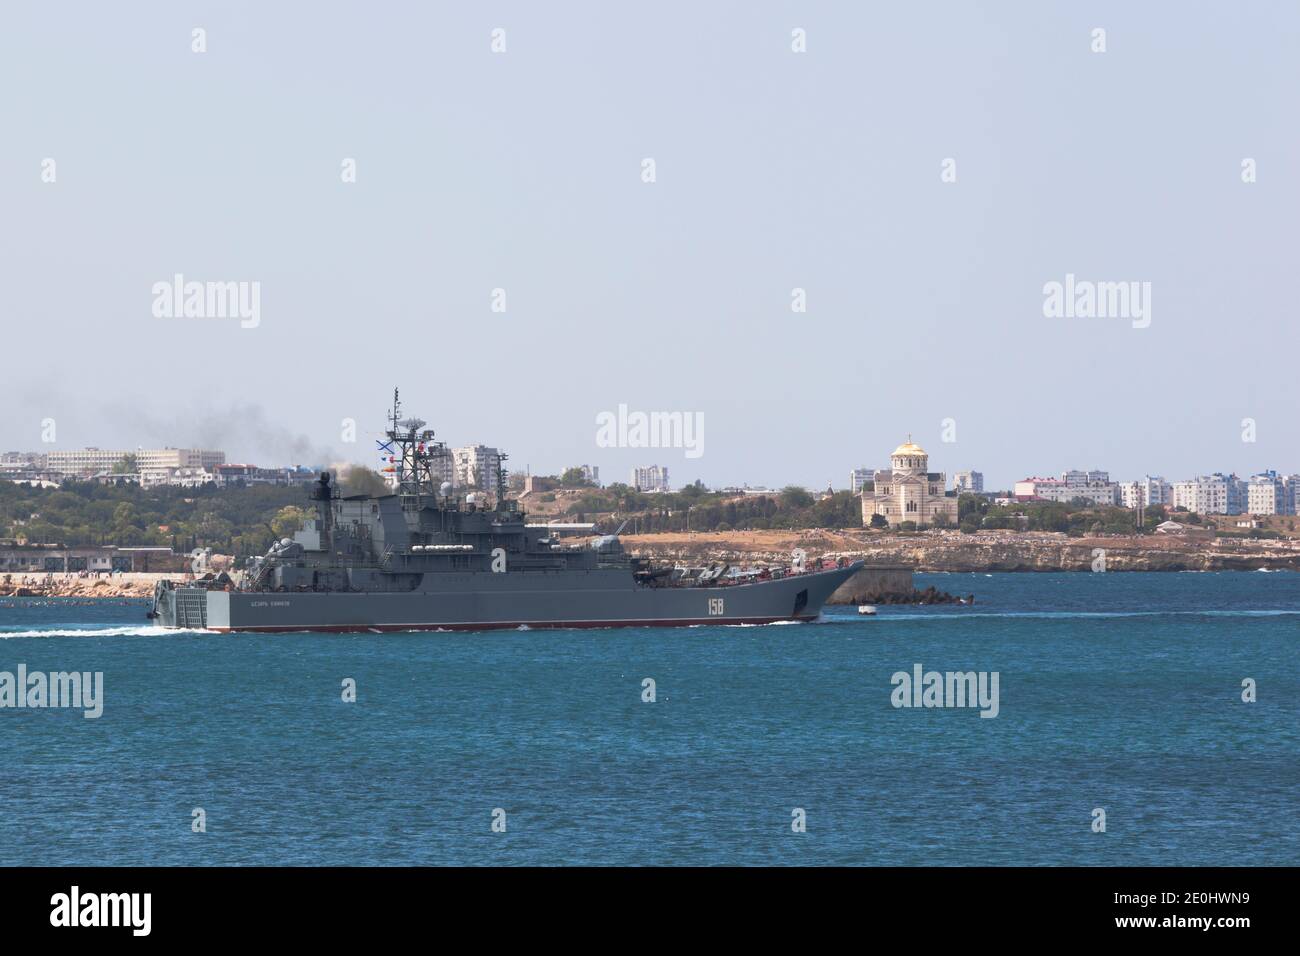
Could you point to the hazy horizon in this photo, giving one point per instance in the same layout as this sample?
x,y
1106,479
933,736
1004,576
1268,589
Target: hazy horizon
x,y
775,170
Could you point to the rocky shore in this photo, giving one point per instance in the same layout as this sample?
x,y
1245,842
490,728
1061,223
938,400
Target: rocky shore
x,y
78,586
930,595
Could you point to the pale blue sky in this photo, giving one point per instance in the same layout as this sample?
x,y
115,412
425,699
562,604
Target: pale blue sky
x,y
775,170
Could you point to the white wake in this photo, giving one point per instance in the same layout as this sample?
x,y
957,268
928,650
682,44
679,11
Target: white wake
x,y
143,631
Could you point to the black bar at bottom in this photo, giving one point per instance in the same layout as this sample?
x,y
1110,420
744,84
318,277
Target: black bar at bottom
x,y
336,905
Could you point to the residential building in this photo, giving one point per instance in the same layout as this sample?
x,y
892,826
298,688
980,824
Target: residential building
x,y
1156,491
442,467
1097,493
476,466
1146,492
159,459
650,478
859,478
26,467
1206,494
1238,489
1291,493
237,474
1029,488
1130,494
89,461
180,477
116,478
33,459
1059,489
85,461
23,559
1082,479
1266,495
968,481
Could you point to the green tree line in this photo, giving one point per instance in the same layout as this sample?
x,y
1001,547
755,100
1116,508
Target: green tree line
x,y
699,509
236,520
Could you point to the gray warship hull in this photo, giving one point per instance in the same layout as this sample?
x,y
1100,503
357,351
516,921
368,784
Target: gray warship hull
x,y
431,556
482,601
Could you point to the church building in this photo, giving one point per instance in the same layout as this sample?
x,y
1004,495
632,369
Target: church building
x,y
908,492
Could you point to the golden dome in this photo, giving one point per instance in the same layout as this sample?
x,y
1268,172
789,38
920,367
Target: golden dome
x,y
909,449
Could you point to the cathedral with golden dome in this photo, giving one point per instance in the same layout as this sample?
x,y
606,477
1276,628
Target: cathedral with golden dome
x,y
907,491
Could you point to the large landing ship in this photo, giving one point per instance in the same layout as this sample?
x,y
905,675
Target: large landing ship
x,y
424,558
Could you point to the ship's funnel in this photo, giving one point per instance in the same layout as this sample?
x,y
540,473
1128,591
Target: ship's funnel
x,y
320,491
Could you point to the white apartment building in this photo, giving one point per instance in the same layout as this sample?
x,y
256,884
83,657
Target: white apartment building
x,y
1148,491
89,461
1094,492
161,458
1057,489
1130,494
1266,494
1076,478
859,478
85,461
476,466
1205,495
1156,491
650,478
1028,487
972,481
180,477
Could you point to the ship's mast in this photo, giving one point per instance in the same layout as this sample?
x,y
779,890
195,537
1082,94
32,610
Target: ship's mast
x,y
413,451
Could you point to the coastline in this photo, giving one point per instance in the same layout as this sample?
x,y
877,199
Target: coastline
x,y
984,551
925,552
71,584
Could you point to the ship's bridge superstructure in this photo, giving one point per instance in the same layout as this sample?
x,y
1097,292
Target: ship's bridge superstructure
x,y
370,543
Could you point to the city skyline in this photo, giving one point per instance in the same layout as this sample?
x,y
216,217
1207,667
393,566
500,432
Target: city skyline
x,y
459,470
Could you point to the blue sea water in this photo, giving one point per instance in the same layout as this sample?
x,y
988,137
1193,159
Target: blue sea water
x,y
1120,691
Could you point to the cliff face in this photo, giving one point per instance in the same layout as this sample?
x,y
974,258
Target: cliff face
x,y
1058,553
986,551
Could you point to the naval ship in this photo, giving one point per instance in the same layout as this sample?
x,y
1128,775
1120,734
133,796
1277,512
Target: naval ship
x,y
424,558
